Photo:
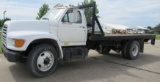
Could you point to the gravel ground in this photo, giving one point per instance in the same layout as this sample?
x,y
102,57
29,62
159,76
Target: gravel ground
x,y
96,68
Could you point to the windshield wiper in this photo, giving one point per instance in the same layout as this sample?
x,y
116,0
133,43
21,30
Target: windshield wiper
x,y
45,18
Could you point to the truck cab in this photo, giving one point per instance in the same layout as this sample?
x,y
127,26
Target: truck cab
x,y
63,28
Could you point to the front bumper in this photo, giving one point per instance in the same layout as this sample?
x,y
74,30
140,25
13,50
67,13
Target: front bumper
x,y
11,56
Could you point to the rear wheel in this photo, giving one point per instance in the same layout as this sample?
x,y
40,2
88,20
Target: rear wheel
x,y
124,49
42,60
133,50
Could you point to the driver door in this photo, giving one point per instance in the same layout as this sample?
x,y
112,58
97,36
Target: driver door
x,y
72,31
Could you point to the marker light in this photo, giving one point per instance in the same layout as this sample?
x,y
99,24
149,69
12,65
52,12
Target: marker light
x,y
18,43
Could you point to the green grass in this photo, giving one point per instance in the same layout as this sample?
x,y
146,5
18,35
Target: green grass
x,y
146,43
158,37
0,50
0,43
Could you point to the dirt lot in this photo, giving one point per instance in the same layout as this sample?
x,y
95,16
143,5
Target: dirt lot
x,y
96,68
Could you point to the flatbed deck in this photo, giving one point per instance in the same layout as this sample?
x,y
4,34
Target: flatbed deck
x,y
145,37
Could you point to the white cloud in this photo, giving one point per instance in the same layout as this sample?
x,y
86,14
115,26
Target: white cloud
x,y
20,10
17,10
127,12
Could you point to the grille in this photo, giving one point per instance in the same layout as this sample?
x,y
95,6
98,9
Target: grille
x,y
4,35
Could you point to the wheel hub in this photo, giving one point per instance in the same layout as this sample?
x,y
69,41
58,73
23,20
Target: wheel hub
x,y
45,61
135,50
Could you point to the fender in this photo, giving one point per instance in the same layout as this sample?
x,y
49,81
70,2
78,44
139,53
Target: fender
x,y
29,37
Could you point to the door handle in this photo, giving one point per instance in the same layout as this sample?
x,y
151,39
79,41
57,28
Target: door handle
x,y
82,27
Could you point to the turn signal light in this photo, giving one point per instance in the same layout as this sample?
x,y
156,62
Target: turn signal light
x,y
18,43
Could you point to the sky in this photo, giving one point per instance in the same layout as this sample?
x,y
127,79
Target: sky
x,y
125,12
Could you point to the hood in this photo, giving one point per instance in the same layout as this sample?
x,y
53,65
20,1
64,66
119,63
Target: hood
x,y
28,25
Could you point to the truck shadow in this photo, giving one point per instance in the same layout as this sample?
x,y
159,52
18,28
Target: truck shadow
x,y
92,68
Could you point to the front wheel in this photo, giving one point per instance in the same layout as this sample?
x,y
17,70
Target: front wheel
x,y
42,60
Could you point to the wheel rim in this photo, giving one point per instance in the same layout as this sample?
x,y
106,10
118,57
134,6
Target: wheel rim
x,y
45,61
135,50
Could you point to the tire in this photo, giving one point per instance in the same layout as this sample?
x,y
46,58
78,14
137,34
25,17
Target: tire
x,y
124,49
104,50
42,60
133,50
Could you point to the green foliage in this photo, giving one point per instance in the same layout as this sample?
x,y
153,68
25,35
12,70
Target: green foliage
x,y
158,37
2,21
42,11
157,27
155,30
88,11
0,43
58,5
149,28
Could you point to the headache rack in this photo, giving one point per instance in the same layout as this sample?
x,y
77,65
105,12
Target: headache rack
x,y
94,19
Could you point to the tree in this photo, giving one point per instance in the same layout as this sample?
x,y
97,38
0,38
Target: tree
x,y
58,5
1,24
42,11
157,27
2,21
150,28
88,11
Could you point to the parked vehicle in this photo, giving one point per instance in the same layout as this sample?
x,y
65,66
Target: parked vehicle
x,y
141,32
132,31
62,34
137,30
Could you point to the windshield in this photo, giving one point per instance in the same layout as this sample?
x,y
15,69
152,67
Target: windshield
x,y
53,14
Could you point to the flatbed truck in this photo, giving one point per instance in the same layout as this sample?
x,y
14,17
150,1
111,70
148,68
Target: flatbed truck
x,y
62,34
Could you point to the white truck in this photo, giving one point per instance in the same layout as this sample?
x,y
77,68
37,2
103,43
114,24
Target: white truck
x,y
62,34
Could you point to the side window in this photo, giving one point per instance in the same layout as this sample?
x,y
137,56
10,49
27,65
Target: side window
x,y
79,18
72,16
65,18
